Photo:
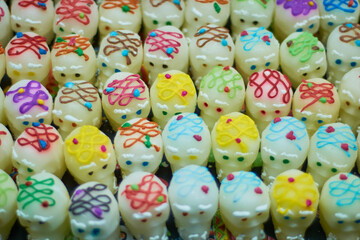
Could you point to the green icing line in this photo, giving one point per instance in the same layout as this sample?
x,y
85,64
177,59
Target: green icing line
x,y
304,45
3,191
59,39
217,7
261,2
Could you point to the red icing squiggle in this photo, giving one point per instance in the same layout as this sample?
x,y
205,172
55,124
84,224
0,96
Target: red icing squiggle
x,y
316,92
159,40
2,133
76,9
2,13
275,79
27,43
36,3
148,193
40,137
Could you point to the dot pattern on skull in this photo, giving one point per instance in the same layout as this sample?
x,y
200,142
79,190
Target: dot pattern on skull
x,y
124,90
298,7
75,9
29,96
79,92
230,130
208,34
4,190
185,125
160,40
90,200
72,44
347,192
304,45
126,5
34,3
123,41
280,84
144,130
322,92
343,5
39,137
2,133
253,37
35,191
88,145
146,194
291,193
24,43
157,3
353,31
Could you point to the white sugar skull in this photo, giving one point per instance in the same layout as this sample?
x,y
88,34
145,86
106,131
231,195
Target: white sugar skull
x,y
2,108
235,143
28,57
333,149
172,93
316,103
94,213
284,145
73,58
295,16
339,207
5,24
8,204
211,46
125,96
294,200
250,13
158,13
119,14
302,56
268,95
165,48
33,16
90,156
256,49
39,148
6,143
76,17
350,99
343,51
244,205
222,91
43,203
120,51
202,12
193,196
138,146
27,102
186,141
335,13
144,206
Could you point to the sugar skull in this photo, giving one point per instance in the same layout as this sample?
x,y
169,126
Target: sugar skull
x,y
138,146
193,196
256,49
5,24
284,146
186,141
235,143
28,57
2,62
144,205
6,143
43,203
294,200
244,205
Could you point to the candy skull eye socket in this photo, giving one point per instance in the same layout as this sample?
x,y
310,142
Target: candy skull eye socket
x,y
242,20
263,112
196,19
32,29
128,162
304,74
185,214
159,214
311,26
334,170
17,25
286,217
318,164
244,219
286,161
95,232
219,110
107,28
105,166
330,23
165,66
204,65
16,73
145,164
206,104
80,230
42,222
267,64
340,222
77,75
155,22
303,119
338,61
302,218
353,64
357,221
31,74
347,103
62,74
320,121
318,68
202,212
151,64
168,23
259,214
91,173
277,111
255,23
74,125
253,67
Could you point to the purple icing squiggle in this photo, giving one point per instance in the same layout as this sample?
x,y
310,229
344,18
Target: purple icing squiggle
x,y
298,6
28,94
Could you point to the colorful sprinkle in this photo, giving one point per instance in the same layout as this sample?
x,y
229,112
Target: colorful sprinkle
x,y
98,211
309,84
35,124
277,119
290,179
357,42
177,2
343,177
244,33
45,204
160,199
75,141
19,34
217,7
88,105
330,129
345,146
134,187
238,140
227,68
229,120
322,100
21,90
205,189
40,102
125,8
125,52
169,50
179,117
184,93
81,15
290,135
201,31
69,84
230,177
136,93
110,89
79,51
308,202
28,183
42,51
113,33
224,42
168,76
152,34
197,138
258,190
226,89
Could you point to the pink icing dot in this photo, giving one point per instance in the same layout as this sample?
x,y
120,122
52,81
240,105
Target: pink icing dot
x,y
103,148
308,202
238,140
277,119
226,89
167,76
229,120
197,138
343,177
330,129
290,179
258,190
205,189
244,33
265,38
183,93
230,177
226,68
179,117
345,146
290,135
75,141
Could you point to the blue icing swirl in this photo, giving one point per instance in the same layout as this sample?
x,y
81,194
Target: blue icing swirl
x,y
253,37
347,193
342,5
189,124
242,182
279,130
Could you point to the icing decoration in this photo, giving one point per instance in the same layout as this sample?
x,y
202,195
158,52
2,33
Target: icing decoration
x,y
174,87
89,141
31,92
39,137
2,13
125,5
128,42
157,3
280,129
253,37
3,191
241,184
75,9
147,194
79,91
347,192
224,80
261,2
2,50
317,92
348,28
36,3
211,1
124,90
160,40
144,128
25,43
343,5
258,190
295,194
205,189
78,45
279,84
217,34
84,201
304,45
37,191
187,125
240,127
342,135
298,7
2,133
